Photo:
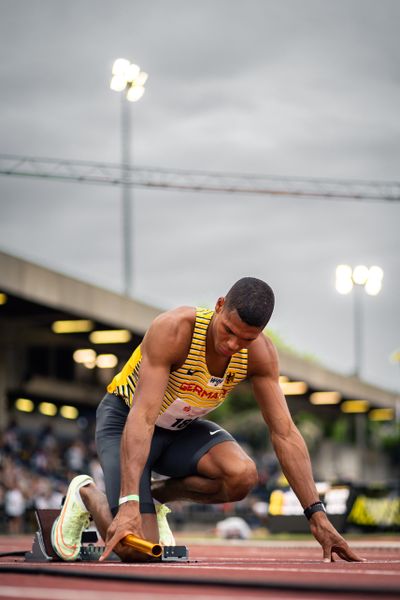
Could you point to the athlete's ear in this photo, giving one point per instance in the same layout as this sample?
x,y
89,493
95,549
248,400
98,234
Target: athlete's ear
x,y
220,304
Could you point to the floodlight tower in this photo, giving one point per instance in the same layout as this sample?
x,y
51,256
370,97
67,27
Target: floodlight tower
x,y
128,78
359,277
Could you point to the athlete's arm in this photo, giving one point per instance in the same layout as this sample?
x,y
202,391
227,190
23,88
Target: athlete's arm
x,y
289,445
162,346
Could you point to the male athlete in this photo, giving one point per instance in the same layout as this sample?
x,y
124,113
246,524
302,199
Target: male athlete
x,y
152,420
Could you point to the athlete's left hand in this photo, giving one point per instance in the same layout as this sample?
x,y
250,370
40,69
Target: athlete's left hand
x,y
127,521
330,540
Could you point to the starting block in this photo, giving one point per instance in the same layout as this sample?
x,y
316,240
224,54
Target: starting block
x,y
42,549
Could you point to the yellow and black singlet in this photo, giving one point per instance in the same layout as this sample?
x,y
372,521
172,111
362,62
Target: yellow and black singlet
x,y
192,391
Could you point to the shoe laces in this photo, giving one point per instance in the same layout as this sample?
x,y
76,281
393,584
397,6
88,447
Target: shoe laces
x,y
79,521
163,510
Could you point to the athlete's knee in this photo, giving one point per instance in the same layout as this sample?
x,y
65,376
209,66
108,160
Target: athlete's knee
x,y
242,480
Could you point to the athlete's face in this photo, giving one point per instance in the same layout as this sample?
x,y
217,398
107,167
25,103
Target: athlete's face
x,y
230,333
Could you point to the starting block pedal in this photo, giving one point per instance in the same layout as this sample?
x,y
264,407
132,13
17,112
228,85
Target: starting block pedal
x,y
175,554
42,549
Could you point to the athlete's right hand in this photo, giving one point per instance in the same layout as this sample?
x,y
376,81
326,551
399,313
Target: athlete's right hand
x,y
127,521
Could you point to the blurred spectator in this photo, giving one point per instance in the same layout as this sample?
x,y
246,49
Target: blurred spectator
x,y
49,440
12,439
75,456
39,461
233,528
46,496
15,506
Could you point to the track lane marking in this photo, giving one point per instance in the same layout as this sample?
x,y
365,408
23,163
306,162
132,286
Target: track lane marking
x,y
212,567
49,593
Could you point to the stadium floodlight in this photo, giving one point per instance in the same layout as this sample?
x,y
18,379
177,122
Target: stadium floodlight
x,y
134,93
24,405
293,388
381,414
118,83
129,79
120,67
106,361
373,285
370,278
344,281
84,355
48,408
72,326
361,277
110,336
69,412
132,72
354,406
325,397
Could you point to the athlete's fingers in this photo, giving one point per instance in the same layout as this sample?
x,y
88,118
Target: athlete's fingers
x,y
107,550
346,553
327,553
111,543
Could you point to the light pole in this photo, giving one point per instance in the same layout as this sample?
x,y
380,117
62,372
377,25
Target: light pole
x,y
360,277
371,280
127,77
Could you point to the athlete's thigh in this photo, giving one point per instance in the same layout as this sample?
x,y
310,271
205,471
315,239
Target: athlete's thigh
x,y
188,447
224,461
110,422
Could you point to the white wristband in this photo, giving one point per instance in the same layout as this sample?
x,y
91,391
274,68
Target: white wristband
x,y
128,498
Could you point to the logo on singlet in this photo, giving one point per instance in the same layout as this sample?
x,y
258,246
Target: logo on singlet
x,y
192,371
216,381
230,377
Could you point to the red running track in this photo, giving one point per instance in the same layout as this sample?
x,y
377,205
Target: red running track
x,y
298,567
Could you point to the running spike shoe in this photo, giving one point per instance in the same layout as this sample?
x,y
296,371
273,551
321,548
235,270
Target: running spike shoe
x,y
67,529
165,533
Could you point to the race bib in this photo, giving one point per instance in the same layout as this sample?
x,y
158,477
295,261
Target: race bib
x,y
180,414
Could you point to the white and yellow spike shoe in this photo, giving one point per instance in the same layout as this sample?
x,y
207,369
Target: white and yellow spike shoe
x,y
67,529
164,530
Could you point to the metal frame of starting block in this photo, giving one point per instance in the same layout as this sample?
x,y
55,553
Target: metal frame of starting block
x,y
42,549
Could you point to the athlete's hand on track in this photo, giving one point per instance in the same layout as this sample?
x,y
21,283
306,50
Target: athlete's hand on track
x,y
330,540
127,521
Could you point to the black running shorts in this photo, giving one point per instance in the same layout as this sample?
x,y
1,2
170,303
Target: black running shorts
x,y
172,453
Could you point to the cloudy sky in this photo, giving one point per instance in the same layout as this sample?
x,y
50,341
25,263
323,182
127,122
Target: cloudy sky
x,y
284,88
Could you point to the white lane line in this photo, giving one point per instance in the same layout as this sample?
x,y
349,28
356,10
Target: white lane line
x,y
287,545
227,563
212,567
297,570
41,593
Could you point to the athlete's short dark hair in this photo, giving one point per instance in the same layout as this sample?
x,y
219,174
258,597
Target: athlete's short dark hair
x,y
253,299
